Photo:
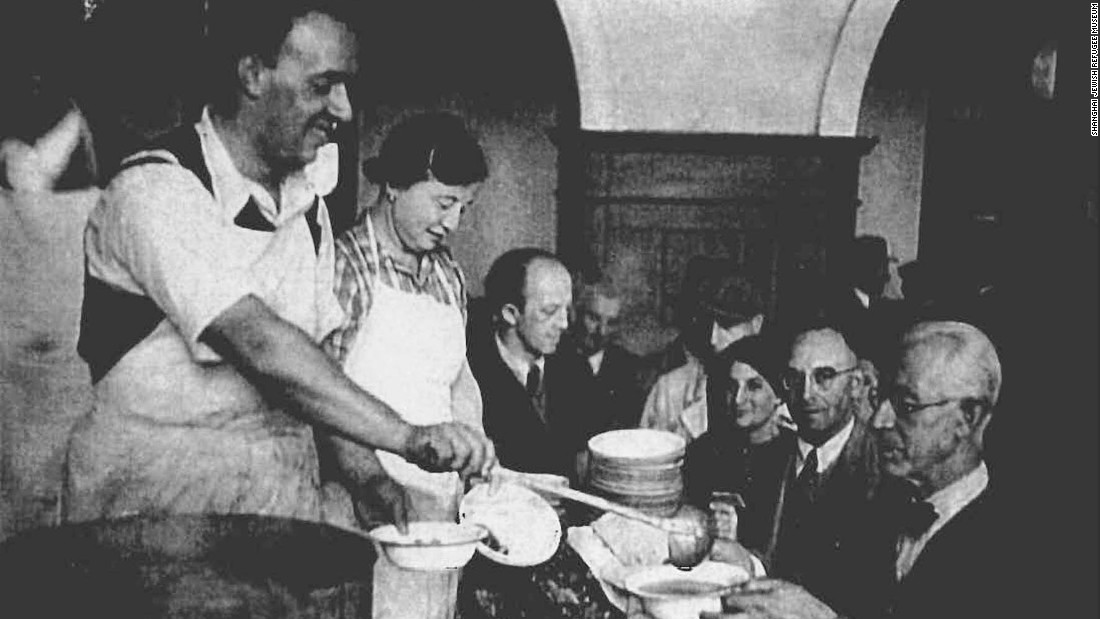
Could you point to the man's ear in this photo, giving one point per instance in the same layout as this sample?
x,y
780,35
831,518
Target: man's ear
x,y
865,384
757,323
977,415
510,314
868,372
253,75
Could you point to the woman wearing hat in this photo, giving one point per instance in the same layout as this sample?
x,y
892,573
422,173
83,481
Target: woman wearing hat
x,y
746,442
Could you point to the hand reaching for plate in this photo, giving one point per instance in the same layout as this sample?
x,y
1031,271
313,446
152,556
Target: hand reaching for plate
x,y
769,598
729,551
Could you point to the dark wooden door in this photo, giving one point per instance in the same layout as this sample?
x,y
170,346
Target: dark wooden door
x,y
642,205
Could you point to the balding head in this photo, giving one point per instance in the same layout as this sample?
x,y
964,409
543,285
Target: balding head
x,y
822,346
824,384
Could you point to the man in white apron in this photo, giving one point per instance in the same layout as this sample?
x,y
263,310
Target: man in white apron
x,y
404,341
208,286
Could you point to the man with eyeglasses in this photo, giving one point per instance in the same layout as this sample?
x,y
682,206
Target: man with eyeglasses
x,y
931,431
939,544
825,484
831,473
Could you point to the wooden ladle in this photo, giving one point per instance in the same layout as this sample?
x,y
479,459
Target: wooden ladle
x,y
691,530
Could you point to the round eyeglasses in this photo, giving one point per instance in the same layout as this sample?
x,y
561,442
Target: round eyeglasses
x,y
903,408
794,380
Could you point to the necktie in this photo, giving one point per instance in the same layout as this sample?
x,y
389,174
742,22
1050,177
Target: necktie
x,y
809,477
917,517
534,380
534,391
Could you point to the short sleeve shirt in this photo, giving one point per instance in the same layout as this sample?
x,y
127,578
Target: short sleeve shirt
x,y
159,233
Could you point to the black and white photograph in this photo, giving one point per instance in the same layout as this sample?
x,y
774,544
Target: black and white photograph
x,y
549,309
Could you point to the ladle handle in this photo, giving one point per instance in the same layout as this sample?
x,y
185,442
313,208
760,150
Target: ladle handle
x,y
598,502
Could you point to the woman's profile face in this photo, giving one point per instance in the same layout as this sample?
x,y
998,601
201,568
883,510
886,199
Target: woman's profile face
x,y
751,399
426,213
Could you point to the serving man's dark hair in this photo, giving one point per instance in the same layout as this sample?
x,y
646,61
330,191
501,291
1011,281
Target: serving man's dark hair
x,y
243,28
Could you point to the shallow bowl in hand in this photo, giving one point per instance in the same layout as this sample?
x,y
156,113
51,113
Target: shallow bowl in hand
x,y
668,592
429,546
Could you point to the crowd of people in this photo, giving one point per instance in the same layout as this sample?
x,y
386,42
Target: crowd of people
x,y
247,360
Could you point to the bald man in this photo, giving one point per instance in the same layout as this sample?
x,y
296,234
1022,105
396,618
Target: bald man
x,y
832,471
534,405
817,498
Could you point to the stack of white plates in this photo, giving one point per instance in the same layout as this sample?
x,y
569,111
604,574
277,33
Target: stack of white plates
x,y
640,468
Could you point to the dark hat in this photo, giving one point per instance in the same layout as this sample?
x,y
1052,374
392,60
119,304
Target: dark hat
x,y
730,298
757,351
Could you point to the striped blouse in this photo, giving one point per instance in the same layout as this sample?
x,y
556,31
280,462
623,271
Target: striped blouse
x,y
356,273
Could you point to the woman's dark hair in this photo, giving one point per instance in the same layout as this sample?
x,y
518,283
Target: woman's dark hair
x,y
428,146
757,351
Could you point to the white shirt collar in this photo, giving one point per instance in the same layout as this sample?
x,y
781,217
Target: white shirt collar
x,y
952,499
595,361
864,298
829,451
518,365
232,189
948,502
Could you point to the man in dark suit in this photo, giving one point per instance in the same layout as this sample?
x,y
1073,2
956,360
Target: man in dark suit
x,y
616,390
533,406
951,562
804,507
831,471
945,551
856,304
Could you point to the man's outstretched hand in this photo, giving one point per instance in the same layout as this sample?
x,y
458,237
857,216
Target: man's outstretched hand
x,y
769,598
451,446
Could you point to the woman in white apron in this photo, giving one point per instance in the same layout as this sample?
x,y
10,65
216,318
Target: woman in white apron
x,y
405,338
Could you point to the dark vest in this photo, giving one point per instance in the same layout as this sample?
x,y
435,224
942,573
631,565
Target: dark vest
x,y
114,321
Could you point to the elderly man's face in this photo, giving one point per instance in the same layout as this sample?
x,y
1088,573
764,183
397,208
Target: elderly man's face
x,y
305,95
921,425
598,323
548,294
822,383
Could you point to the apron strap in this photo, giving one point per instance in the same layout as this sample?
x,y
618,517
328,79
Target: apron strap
x,y
372,240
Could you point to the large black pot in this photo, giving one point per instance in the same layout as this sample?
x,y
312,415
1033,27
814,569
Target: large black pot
x,y
187,566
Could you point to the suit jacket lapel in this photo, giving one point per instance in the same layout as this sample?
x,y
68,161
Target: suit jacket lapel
x,y
784,489
516,393
856,470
